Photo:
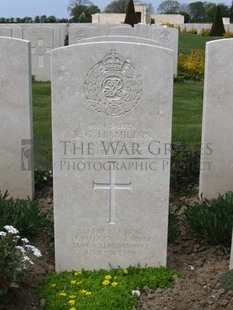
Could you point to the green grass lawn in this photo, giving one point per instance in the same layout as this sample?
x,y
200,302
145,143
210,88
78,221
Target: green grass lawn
x,y
187,112
41,97
189,42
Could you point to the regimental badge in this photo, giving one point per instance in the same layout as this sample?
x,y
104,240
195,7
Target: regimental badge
x,y
113,86
165,36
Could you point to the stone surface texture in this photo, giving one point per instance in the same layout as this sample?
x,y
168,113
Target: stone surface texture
x,y
16,152
112,117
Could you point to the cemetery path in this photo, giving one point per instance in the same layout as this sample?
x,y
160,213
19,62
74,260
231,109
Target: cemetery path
x,y
198,287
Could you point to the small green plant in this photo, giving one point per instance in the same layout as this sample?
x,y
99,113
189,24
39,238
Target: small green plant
x,y
173,224
16,256
192,31
27,215
98,290
43,177
192,67
228,35
205,32
211,220
226,279
185,163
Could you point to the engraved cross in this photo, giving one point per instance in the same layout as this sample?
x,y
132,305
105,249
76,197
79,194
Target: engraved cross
x,y
111,186
40,50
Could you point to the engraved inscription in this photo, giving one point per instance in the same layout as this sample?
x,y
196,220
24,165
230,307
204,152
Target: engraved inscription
x,y
80,34
40,50
165,36
111,186
103,241
113,86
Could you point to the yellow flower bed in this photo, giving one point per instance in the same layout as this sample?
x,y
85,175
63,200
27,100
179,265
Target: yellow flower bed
x,y
193,66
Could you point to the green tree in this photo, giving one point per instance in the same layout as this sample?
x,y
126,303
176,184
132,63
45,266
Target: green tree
x,y
231,12
116,6
37,19
81,10
131,16
150,8
51,19
197,11
169,7
217,28
211,10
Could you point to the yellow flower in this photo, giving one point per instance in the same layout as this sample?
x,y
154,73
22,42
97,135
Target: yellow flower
x,y
106,282
78,283
72,296
83,291
108,277
125,271
77,273
88,293
71,302
63,294
73,282
53,285
114,284
73,308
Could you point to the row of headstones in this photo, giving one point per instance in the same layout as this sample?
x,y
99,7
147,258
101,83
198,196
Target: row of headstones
x,y
112,118
43,39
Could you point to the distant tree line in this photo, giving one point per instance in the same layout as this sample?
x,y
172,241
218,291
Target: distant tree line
x,y
120,6
195,12
81,11
36,19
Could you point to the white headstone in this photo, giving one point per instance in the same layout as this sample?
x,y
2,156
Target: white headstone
x,y
167,37
112,114
120,38
16,151
17,33
216,174
5,32
125,30
143,31
42,42
79,32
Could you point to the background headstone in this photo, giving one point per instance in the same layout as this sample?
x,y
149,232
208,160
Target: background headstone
x,y
5,32
79,32
143,31
125,30
42,42
112,117
216,172
16,149
167,37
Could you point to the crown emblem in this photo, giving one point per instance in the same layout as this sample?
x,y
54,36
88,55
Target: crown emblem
x,y
113,86
113,61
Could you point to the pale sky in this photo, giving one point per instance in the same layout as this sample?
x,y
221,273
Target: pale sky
x,y
58,8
